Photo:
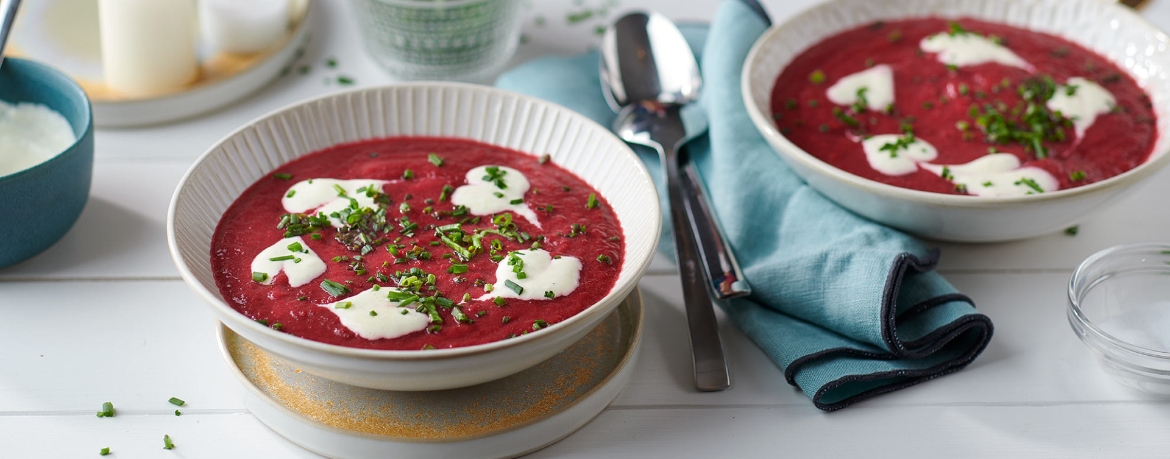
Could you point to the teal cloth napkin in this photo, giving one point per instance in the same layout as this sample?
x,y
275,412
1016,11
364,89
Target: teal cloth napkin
x,y
847,308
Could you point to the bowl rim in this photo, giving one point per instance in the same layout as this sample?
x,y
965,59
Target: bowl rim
x,y
229,316
72,88
1082,322
789,150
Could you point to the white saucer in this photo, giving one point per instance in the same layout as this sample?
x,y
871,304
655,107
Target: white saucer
x,y
64,34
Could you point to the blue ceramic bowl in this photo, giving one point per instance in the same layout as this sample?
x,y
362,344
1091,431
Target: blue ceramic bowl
x,y
41,203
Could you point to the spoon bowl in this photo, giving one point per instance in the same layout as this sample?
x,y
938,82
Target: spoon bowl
x,y
645,57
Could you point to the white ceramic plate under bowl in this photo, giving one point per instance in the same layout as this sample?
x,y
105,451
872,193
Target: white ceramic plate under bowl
x,y
64,34
480,113
1113,31
503,418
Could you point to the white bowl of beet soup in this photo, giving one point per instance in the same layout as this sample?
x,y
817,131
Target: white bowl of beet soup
x,y
415,237
974,120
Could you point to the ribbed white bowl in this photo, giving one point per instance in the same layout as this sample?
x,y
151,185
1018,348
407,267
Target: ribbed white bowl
x,y
419,109
1111,30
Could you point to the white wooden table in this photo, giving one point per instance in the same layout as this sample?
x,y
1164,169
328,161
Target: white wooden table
x,y
103,316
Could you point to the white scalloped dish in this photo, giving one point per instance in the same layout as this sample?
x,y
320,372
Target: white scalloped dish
x,y
455,111
1114,32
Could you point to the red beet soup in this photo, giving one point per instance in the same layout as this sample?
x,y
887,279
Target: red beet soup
x,y
964,107
416,243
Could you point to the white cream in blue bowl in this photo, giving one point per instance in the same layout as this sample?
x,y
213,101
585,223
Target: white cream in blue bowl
x,y
46,157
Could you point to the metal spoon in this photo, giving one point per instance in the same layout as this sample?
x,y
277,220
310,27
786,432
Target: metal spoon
x,y
7,17
718,261
649,69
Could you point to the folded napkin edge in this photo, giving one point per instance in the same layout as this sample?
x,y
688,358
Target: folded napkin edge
x,y
903,264
976,322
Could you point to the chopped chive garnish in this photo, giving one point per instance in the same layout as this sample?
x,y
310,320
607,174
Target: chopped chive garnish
x,y
1072,230
565,188
499,301
817,77
291,193
333,288
259,277
407,174
343,305
443,195
167,444
1077,176
315,236
550,294
538,324
177,413
459,316
295,247
604,259
615,239
107,410
176,401
506,319
543,158
1030,184
480,313
516,201
457,269
262,322
282,258
104,451
344,80
278,326
339,189
373,313
513,286
592,202
435,159
282,176
498,194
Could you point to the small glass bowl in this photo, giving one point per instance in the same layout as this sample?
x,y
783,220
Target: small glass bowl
x,y
1119,306
465,40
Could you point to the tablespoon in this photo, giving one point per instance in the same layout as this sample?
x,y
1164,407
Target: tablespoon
x,y
656,74
8,11
718,261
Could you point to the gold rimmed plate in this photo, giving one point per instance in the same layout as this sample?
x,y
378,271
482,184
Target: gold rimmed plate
x,y
503,418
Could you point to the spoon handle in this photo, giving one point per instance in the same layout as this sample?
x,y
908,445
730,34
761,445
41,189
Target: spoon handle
x,y
7,17
719,263
706,349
